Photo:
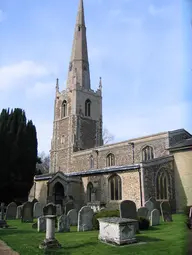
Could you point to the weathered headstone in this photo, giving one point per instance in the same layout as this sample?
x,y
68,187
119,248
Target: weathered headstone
x,y
85,218
37,210
166,211
63,224
27,212
11,211
73,217
69,206
58,210
155,217
50,242
143,212
49,209
41,224
19,211
128,209
150,205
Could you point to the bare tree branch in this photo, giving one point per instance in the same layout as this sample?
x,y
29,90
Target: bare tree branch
x,y
44,166
107,137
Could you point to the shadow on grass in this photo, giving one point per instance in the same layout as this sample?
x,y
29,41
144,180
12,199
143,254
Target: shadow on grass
x,y
148,239
13,231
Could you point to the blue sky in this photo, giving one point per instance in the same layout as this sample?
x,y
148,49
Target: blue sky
x,y
141,49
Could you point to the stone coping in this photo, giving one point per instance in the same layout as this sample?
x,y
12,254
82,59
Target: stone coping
x,y
50,216
116,220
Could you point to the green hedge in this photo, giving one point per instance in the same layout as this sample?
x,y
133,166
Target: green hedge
x,y
103,214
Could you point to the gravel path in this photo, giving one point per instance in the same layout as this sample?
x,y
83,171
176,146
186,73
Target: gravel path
x,y
6,250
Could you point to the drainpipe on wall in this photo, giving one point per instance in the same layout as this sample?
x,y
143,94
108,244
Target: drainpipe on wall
x,y
140,184
142,187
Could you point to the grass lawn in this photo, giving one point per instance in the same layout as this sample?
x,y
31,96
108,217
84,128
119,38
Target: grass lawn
x,y
167,238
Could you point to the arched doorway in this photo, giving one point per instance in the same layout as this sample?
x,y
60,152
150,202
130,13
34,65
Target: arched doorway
x,y
58,193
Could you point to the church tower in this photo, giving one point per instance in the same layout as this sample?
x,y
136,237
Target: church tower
x,y
78,109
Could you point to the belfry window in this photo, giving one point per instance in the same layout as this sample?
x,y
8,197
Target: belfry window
x,y
162,185
115,192
64,109
79,28
110,160
88,108
147,153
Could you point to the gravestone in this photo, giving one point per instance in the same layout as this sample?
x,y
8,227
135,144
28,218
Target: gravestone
x,y
128,209
19,211
69,206
155,217
41,224
11,211
3,223
151,205
73,217
190,213
49,209
166,211
85,218
37,210
58,210
27,212
63,224
143,212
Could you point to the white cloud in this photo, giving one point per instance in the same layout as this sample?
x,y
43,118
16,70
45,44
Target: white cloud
x,y
12,74
40,89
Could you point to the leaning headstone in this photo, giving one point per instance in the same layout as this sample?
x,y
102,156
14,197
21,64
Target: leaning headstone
x,y
69,206
58,210
50,242
73,217
128,209
166,211
150,205
155,217
11,211
143,212
37,210
49,209
41,224
63,224
27,212
19,211
85,218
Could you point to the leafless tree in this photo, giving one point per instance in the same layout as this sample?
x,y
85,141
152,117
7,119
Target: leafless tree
x,y
107,136
43,167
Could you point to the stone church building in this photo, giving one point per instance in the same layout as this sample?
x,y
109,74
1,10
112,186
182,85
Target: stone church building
x,y
84,171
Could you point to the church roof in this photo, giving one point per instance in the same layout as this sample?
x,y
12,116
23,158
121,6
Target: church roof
x,y
185,144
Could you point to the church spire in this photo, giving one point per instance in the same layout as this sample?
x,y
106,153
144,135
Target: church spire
x,y
79,63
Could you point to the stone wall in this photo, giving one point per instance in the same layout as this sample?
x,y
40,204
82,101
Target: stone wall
x,y
122,152
183,177
40,188
130,188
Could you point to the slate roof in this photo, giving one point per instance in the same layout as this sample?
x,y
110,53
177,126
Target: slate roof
x,y
185,144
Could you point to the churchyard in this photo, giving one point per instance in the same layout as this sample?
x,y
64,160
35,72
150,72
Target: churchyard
x,y
33,227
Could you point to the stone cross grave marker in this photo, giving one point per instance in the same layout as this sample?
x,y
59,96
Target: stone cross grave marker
x,y
11,211
63,224
85,217
73,217
155,217
166,211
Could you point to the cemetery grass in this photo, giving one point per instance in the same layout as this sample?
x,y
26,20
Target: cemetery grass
x,y
167,238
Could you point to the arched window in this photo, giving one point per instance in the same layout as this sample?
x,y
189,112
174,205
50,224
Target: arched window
x,y
162,186
110,160
64,109
147,153
89,191
115,187
91,162
88,108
